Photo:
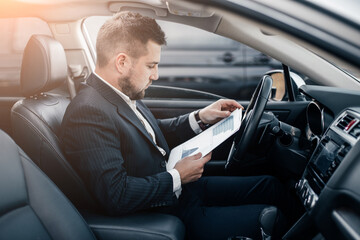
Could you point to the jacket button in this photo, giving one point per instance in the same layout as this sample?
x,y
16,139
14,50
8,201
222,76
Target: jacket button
x,y
163,164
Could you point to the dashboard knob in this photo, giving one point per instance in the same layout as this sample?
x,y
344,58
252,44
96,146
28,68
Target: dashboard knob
x,y
299,185
305,193
277,131
309,201
326,139
342,151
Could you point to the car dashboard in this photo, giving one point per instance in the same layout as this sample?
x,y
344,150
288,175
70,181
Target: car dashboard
x,y
330,185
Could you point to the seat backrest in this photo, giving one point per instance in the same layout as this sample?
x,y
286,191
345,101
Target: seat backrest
x,y
31,206
36,120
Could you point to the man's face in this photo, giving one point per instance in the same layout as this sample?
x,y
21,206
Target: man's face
x,y
142,72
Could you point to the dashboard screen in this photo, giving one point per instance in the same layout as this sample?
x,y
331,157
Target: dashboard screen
x,y
324,159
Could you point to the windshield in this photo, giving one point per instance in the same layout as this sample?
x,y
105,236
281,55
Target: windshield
x,y
348,9
344,9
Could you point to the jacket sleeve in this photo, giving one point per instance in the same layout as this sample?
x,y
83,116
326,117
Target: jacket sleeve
x,y
92,144
176,130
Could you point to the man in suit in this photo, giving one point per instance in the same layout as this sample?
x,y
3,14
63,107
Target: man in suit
x,y
120,150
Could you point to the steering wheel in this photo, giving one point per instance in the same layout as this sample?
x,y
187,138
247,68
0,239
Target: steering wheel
x,y
250,122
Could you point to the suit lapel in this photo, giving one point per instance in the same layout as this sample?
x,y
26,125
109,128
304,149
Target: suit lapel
x,y
123,108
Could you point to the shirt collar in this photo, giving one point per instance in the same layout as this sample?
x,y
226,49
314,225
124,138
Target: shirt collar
x,y
131,103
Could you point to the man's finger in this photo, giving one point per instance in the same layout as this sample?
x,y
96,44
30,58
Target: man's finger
x,y
206,158
196,156
230,103
221,114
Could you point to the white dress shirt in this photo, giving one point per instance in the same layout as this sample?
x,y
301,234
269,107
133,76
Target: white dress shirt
x,y
193,124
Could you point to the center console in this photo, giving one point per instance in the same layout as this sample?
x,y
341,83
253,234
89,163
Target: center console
x,y
331,150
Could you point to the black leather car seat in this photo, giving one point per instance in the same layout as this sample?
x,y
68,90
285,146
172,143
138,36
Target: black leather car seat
x,y
31,206
36,121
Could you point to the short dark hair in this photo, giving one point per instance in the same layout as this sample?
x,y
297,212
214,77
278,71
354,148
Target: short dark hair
x,y
128,32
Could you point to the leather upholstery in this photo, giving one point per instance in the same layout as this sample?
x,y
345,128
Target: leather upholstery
x,y
136,226
36,121
31,206
43,66
35,124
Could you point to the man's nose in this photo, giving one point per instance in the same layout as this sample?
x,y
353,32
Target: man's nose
x,y
155,75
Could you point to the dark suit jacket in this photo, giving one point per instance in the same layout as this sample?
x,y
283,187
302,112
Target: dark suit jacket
x,y
112,152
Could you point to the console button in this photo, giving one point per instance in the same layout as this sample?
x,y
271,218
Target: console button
x,y
329,172
299,185
326,139
305,193
334,164
342,151
309,200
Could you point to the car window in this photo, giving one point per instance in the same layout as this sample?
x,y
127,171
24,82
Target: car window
x,y
15,33
200,60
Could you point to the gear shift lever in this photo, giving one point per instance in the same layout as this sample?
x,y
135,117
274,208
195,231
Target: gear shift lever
x,y
269,217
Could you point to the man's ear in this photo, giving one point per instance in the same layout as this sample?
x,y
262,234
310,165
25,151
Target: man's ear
x,y
122,63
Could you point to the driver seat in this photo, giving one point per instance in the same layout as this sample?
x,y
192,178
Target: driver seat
x,y
36,121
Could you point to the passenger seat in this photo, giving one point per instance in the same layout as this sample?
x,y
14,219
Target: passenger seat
x,y
31,206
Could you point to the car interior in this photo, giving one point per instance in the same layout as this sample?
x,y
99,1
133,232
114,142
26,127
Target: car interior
x,y
302,123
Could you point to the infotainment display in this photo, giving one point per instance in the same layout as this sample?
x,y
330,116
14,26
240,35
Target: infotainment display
x,y
324,157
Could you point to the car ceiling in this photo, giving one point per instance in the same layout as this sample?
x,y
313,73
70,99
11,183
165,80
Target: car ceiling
x,y
251,32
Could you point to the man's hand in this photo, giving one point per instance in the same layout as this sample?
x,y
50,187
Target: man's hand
x,y
192,167
218,110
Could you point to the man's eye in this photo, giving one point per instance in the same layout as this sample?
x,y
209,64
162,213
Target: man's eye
x,y
151,66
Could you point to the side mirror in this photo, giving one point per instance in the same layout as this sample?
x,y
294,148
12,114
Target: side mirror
x,y
278,92
279,86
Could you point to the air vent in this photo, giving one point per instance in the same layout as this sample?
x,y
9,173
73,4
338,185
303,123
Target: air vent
x,y
355,131
344,123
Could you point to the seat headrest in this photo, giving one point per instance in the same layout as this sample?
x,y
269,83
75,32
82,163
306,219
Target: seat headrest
x,y
44,65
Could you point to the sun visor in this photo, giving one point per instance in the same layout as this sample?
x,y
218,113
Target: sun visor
x,y
159,10
191,10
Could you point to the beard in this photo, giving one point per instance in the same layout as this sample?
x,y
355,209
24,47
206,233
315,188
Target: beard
x,y
128,88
